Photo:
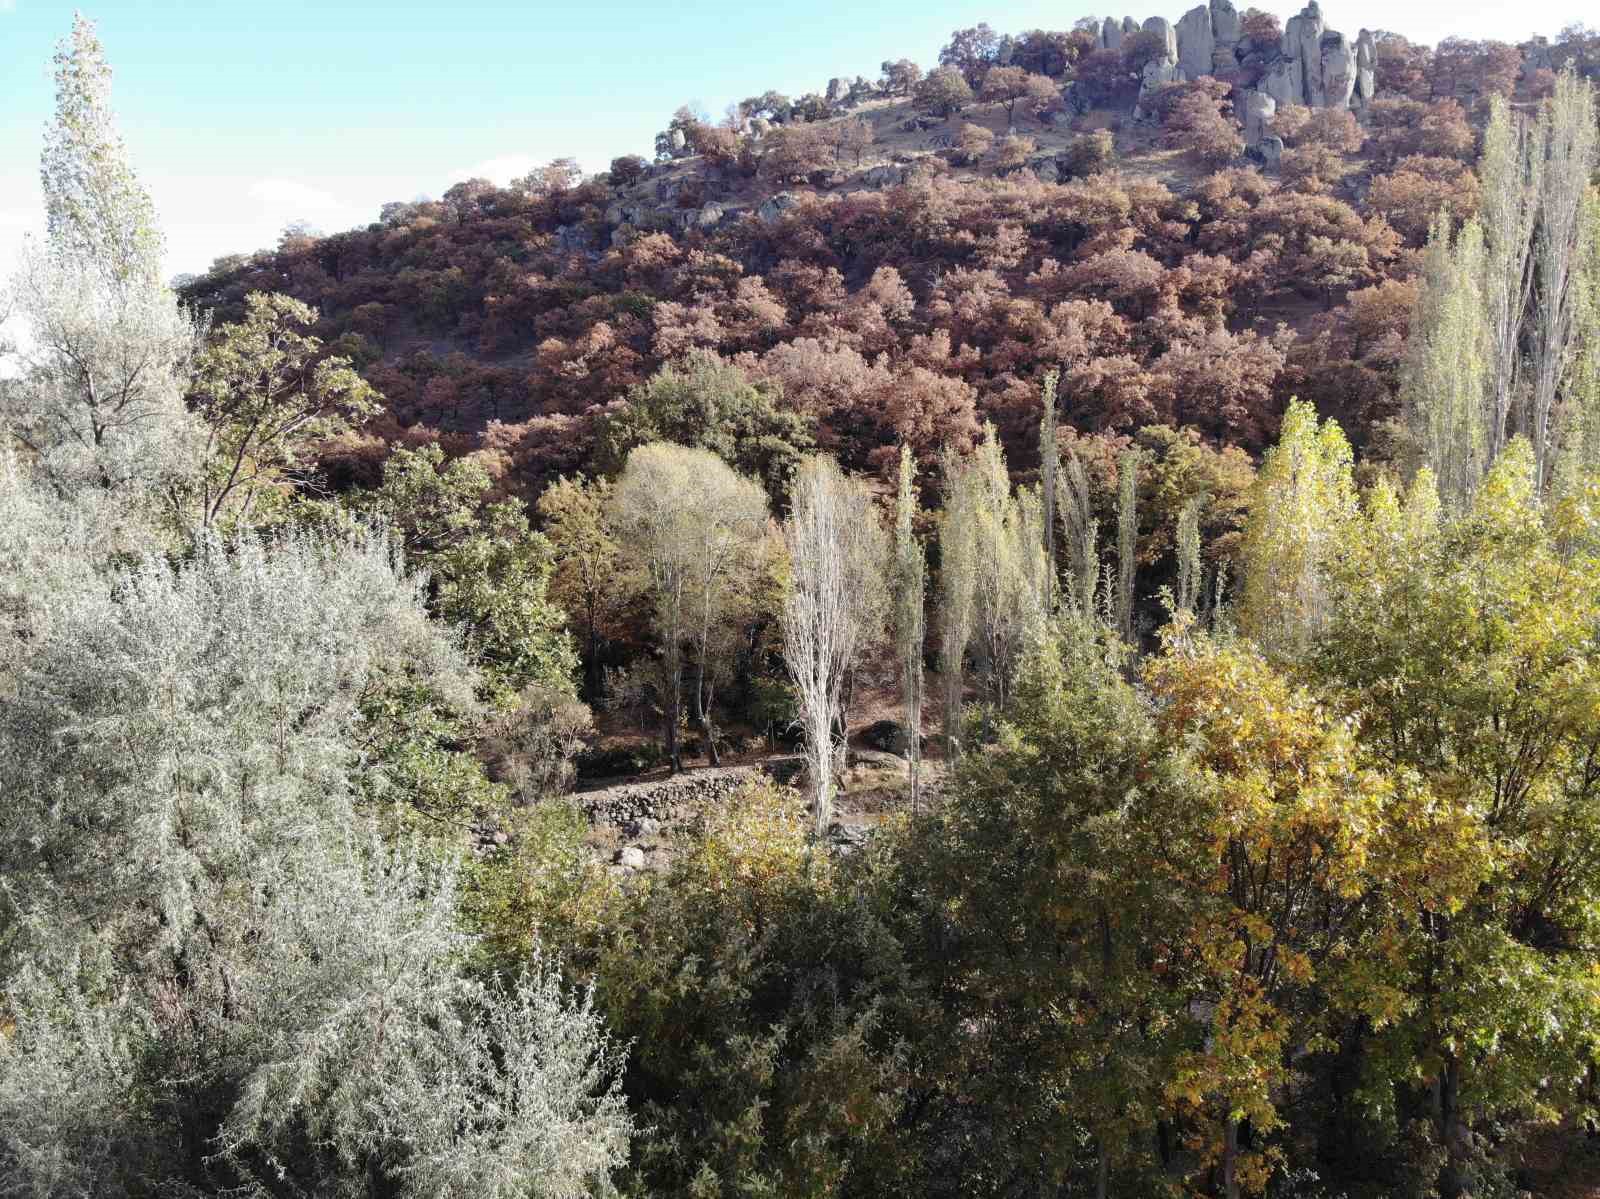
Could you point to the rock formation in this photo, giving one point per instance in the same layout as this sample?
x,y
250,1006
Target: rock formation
x,y
1197,42
1313,65
1338,71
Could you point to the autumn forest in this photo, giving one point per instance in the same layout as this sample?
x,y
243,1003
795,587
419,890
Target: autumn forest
x,y
1028,627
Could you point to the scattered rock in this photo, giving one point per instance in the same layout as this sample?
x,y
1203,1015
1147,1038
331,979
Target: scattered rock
x,y
880,177
1258,111
773,208
630,857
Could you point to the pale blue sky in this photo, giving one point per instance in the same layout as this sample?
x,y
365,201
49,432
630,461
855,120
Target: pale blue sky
x,y
242,117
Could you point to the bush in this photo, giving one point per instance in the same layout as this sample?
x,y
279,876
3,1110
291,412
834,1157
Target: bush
x,y
972,143
1089,154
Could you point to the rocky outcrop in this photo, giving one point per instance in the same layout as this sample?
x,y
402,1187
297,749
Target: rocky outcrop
x,y
1366,69
1284,82
1302,43
1313,65
880,177
1338,71
1163,29
1197,43
1226,27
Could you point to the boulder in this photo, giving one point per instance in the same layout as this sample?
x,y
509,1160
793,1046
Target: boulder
x,y
1163,29
1046,168
886,736
1226,27
677,141
1196,42
773,208
836,90
1129,25
880,177
1005,51
630,857
1258,109
709,216
1302,42
1110,35
760,127
1338,70
571,239
1158,74
1270,150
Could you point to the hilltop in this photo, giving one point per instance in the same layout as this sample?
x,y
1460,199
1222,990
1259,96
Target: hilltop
x,y
904,259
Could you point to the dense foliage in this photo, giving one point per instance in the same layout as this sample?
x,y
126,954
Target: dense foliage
x,y
1258,848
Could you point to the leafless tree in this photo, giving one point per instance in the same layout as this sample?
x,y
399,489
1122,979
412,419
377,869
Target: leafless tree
x,y
838,557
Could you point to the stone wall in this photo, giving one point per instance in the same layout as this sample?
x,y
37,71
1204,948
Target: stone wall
x,y
679,797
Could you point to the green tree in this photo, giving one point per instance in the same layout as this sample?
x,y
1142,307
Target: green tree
x,y
1465,647
266,396
695,527
1300,508
489,572
944,91
592,580
710,404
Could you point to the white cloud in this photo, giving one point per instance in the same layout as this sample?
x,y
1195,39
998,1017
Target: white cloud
x,y
499,170
292,198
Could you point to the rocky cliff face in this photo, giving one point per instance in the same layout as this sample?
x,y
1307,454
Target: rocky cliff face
x,y
1313,65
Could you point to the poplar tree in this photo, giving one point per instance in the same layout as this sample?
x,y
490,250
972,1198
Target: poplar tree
x,y
1448,395
911,581
1049,474
1127,539
1302,502
838,558
1509,173
1567,136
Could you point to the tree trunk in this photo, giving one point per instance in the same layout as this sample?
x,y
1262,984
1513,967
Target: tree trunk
x,y
1230,1159
674,706
1102,1177
1452,1130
